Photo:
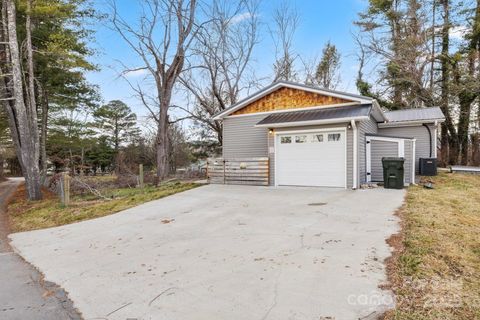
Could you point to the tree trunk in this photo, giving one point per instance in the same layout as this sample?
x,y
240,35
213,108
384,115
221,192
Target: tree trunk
x,y
43,137
1,167
432,63
463,126
475,160
467,95
449,143
25,115
395,32
162,137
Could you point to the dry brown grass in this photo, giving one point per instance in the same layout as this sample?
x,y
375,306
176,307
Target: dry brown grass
x,y
26,215
435,270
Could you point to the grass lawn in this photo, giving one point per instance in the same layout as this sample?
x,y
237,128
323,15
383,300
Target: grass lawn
x,y
25,215
435,270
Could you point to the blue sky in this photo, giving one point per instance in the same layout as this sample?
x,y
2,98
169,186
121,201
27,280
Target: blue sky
x,y
320,21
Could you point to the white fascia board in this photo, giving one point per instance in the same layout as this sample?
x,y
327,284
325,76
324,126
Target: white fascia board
x,y
257,96
378,110
328,93
263,93
408,123
310,122
387,138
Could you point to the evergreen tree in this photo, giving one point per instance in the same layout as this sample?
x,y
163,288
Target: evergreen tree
x,y
326,75
117,121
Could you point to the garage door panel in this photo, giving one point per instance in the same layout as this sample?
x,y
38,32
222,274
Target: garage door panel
x,y
314,162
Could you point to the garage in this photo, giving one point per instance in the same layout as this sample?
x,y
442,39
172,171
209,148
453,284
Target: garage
x,y
311,158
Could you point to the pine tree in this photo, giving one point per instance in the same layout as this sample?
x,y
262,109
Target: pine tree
x,y
326,75
117,122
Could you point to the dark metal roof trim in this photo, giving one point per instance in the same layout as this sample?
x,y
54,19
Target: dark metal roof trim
x,y
318,114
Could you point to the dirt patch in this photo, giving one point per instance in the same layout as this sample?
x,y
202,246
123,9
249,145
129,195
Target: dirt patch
x,y
49,212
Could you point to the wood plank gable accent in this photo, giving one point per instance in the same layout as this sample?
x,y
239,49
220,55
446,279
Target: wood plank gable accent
x,y
289,98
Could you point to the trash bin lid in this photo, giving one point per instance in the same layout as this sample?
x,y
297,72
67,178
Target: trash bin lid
x,y
393,159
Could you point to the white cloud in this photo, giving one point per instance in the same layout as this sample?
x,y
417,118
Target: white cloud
x,y
240,17
458,32
136,73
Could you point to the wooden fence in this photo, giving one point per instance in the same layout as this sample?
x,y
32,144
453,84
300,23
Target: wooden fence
x,y
251,171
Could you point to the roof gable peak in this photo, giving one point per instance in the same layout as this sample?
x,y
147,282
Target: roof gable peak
x,y
291,96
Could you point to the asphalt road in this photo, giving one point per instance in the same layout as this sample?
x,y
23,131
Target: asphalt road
x,y
23,293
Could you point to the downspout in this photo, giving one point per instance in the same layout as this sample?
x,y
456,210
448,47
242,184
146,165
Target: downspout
x,y
355,152
414,142
430,135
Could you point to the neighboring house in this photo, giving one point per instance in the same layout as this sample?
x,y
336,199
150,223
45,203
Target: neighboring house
x,y
319,137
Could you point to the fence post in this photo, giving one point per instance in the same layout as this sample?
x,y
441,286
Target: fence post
x,y
140,175
224,177
66,189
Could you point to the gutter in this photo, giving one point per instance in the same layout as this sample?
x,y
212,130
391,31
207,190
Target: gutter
x,y
408,123
414,156
355,151
310,122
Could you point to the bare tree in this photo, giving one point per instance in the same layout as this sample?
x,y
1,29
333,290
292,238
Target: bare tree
x,y
221,60
163,35
309,66
286,19
18,97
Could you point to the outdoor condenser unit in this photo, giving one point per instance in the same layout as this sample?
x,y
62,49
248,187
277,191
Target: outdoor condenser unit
x,y
428,166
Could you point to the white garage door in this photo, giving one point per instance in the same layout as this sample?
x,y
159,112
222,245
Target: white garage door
x,y
311,159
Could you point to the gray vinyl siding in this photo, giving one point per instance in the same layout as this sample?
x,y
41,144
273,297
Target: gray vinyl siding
x,y
241,139
407,166
364,127
380,149
420,133
271,138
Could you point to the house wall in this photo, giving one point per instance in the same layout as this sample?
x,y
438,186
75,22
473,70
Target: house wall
x,y
364,127
420,133
380,149
241,139
271,148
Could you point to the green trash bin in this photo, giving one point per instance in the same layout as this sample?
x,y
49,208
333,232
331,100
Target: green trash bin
x,y
393,172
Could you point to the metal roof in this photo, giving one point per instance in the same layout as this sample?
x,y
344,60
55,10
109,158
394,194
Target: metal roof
x,y
418,114
345,112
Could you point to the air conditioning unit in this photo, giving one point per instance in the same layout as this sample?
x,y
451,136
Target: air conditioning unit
x,y
428,166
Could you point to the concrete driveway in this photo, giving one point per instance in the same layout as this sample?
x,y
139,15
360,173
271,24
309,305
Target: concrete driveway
x,y
23,293
226,252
